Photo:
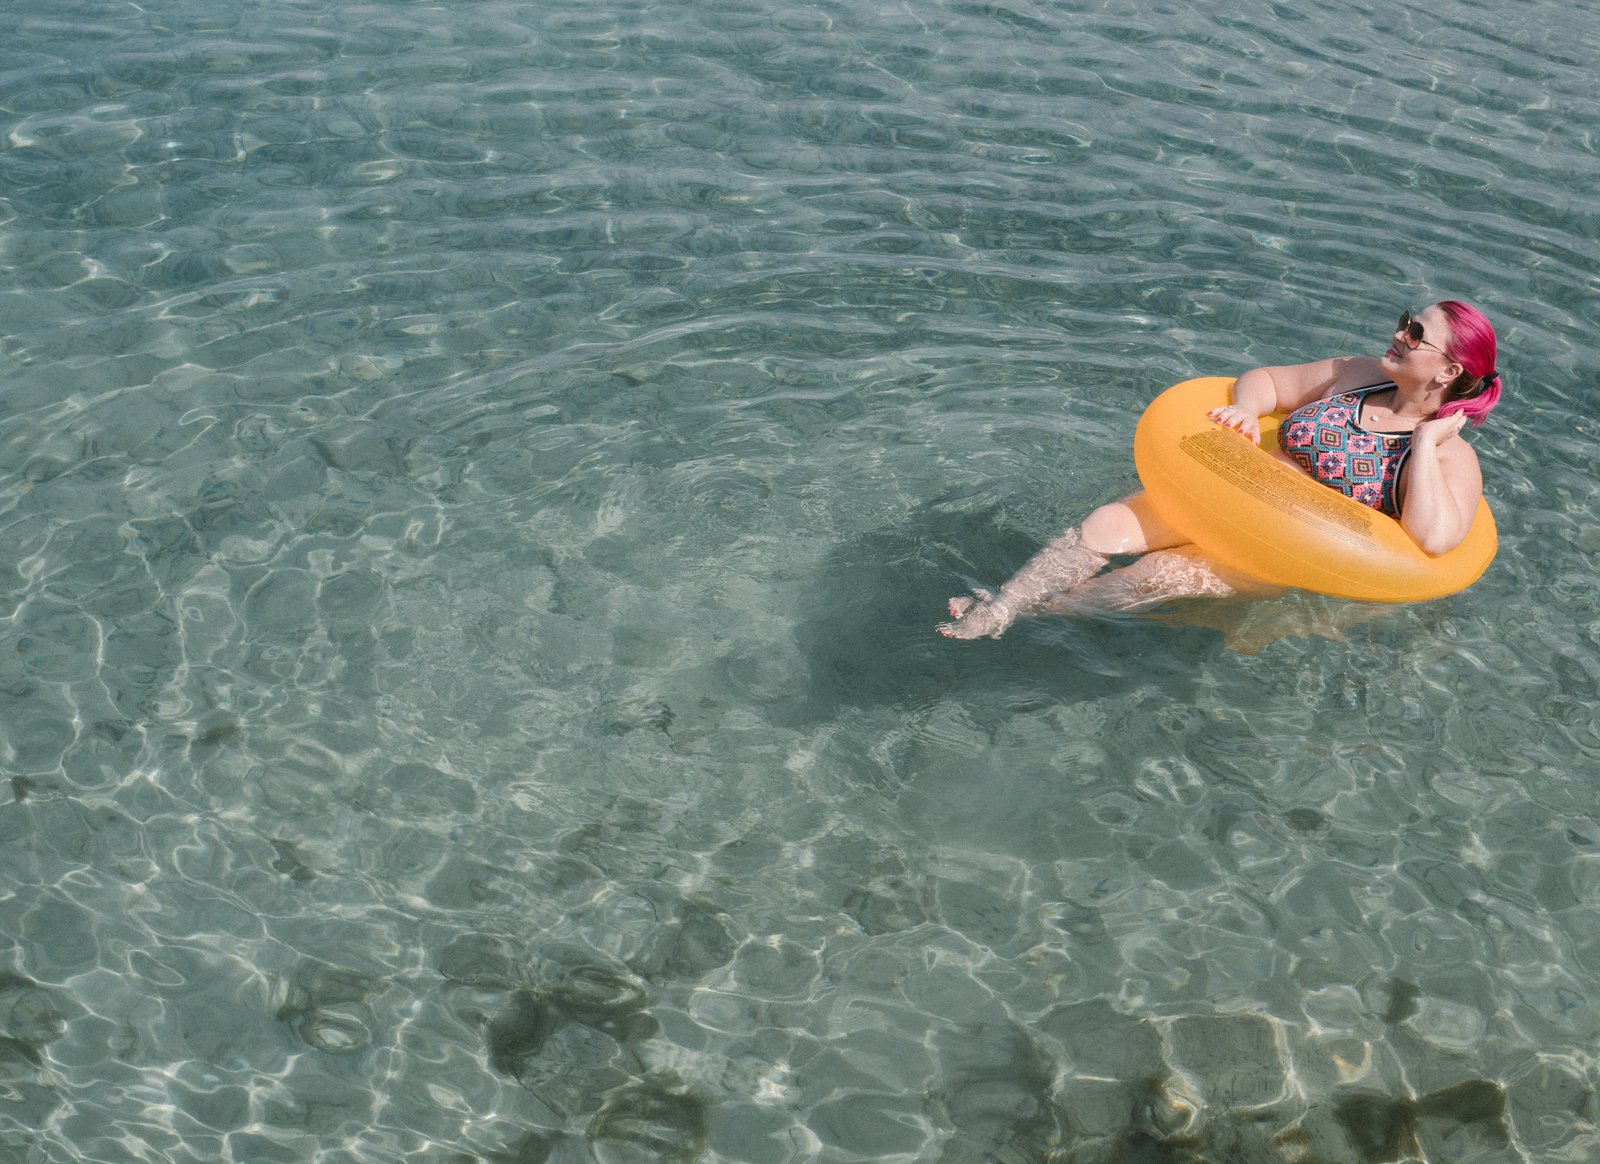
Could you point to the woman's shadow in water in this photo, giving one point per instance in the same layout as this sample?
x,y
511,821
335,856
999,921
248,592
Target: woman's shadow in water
x,y
868,633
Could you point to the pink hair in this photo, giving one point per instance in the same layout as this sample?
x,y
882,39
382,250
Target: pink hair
x,y
1472,345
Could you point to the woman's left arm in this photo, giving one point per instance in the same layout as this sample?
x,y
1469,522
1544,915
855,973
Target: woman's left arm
x,y
1441,486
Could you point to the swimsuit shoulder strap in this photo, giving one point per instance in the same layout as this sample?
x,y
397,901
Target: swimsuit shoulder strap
x,y
1371,388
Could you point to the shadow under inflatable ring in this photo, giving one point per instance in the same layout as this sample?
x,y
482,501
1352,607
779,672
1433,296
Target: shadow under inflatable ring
x,y
1247,509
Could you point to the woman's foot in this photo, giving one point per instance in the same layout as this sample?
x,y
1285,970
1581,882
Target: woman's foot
x,y
975,618
1056,569
961,603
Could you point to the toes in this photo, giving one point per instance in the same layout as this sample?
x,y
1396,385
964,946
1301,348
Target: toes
x,y
982,624
962,603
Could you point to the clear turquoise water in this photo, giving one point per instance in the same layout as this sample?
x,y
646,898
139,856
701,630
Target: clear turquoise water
x,y
476,485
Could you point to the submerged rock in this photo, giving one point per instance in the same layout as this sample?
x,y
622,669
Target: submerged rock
x,y
651,1121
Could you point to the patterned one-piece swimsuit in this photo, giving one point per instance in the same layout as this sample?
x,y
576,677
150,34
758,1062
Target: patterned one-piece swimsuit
x,y
1326,439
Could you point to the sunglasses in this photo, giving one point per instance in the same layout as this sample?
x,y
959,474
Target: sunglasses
x,y
1412,332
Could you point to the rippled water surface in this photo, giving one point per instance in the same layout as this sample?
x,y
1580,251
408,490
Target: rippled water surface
x,y
477,481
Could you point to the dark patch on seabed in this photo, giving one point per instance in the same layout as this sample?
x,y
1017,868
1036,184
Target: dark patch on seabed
x,y
1086,1084
32,1017
573,1035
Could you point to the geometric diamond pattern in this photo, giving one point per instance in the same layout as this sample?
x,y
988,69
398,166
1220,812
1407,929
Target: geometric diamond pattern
x,y
1325,439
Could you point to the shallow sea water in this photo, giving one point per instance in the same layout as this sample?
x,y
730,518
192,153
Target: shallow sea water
x,y
476,485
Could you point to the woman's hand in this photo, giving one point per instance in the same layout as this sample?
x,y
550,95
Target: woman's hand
x,y
1430,434
1241,420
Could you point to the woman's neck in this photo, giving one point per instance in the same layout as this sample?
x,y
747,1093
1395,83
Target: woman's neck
x,y
1415,402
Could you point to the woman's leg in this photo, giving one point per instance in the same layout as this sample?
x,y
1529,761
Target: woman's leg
x,y
1160,576
1129,526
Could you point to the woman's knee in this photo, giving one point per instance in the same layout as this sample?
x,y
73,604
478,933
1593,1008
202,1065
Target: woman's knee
x,y
1129,526
1111,529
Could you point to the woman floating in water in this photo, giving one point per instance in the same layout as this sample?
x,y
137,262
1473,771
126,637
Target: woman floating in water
x,y
1383,431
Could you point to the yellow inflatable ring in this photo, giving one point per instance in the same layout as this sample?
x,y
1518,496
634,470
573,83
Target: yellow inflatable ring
x,y
1250,511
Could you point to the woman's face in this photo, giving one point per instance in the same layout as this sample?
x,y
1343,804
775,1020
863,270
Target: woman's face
x,y
1417,349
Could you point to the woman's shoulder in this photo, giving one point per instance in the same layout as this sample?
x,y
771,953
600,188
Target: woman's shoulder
x,y
1301,384
1357,374
1460,452
1459,460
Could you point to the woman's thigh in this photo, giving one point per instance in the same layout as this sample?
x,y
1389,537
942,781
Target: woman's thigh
x,y
1164,575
